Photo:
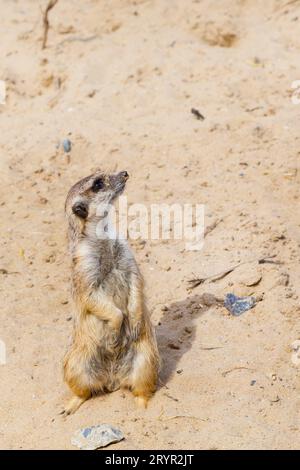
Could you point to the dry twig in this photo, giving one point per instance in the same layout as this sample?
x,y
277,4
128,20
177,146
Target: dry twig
x,y
216,277
5,272
51,4
287,4
226,372
211,227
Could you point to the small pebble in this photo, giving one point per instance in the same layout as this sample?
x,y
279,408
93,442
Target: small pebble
x,y
67,145
238,305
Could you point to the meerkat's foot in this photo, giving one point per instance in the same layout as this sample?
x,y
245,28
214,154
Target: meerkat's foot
x,y
142,402
142,397
72,406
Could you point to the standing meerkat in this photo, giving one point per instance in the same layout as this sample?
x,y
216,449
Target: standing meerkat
x,y
113,343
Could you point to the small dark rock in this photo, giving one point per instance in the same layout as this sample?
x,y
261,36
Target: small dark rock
x,y
67,145
197,114
238,305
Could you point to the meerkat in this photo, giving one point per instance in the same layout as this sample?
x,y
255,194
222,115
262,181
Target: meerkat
x,y
114,344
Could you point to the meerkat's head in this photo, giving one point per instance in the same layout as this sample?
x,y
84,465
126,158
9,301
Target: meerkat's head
x,y
93,195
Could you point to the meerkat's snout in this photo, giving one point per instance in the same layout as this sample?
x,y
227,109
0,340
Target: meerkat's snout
x,y
121,177
124,175
118,181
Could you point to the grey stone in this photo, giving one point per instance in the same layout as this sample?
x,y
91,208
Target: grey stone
x,y
67,145
238,305
94,437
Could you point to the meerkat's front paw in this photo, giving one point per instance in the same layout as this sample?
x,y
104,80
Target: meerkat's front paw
x,y
114,340
136,330
116,320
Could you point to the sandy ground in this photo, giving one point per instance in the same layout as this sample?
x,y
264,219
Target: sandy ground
x,y
119,78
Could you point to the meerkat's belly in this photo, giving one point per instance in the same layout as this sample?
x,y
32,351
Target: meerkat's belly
x,y
106,358
116,288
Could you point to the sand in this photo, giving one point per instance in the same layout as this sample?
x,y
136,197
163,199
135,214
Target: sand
x,y
119,78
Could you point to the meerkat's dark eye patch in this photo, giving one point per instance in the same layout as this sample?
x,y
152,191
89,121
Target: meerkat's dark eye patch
x,y
98,184
80,209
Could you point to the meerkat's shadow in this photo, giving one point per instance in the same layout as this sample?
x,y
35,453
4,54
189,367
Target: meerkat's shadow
x,y
176,332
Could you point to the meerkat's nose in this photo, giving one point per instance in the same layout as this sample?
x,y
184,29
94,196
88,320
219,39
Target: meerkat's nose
x,y
124,175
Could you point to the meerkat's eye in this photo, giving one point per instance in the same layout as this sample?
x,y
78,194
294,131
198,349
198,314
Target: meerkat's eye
x,y
97,185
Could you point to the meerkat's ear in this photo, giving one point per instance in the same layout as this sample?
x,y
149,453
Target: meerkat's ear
x,y
80,209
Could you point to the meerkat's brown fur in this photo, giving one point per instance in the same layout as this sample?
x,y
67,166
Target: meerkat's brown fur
x,y
114,343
